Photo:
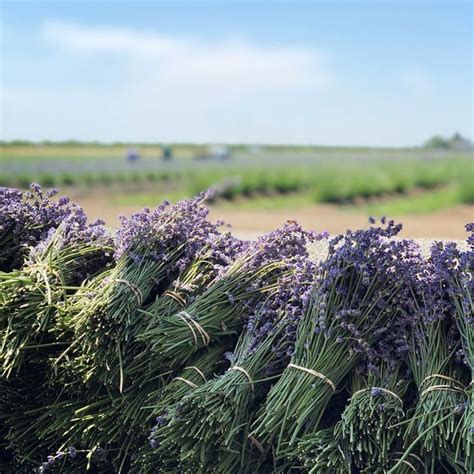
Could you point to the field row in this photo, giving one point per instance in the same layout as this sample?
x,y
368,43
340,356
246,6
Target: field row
x,y
323,181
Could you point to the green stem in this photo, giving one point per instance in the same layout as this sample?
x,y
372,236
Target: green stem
x,y
412,445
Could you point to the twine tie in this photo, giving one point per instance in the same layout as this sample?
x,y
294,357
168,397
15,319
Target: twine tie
x,y
454,386
138,294
197,370
384,390
186,381
243,371
186,317
176,296
314,374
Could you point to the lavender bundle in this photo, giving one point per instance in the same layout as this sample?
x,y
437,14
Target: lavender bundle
x,y
19,443
210,263
221,408
151,249
463,298
352,301
368,433
456,269
322,453
164,401
369,425
33,296
202,368
25,220
104,425
433,341
147,376
222,308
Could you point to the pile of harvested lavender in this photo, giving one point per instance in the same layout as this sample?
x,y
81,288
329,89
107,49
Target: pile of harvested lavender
x,y
172,346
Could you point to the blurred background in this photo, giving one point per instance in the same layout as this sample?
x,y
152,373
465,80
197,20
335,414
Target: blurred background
x,y
321,112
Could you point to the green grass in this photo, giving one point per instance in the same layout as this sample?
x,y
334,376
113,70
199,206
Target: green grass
x,y
425,202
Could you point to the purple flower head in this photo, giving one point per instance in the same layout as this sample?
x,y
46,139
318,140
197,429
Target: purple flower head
x,y
286,243
282,310
160,420
359,283
63,201
470,239
221,250
230,356
230,298
27,217
376,392
72,451
167,234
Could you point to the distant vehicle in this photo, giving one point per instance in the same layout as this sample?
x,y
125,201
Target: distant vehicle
x,y
132,155
219,153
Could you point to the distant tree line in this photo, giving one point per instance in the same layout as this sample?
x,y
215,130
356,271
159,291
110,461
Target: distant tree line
x,y
456,142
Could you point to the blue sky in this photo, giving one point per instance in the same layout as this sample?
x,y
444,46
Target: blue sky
x,y
333,73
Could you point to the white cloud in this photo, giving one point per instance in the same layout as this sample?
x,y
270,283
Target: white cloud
x,y
228,64
166,87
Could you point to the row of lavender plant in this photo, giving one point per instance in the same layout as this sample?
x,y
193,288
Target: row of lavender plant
x,y
174,347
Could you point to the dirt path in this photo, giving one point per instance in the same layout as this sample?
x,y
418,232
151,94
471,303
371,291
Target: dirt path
x,y
444,224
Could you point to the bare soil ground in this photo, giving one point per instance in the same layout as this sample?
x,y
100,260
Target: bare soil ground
x,y
445,224
248,223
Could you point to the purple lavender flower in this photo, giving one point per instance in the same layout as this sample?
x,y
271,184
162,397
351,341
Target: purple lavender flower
x,y
160,420
470,239
283,244
72,451
158,235
360,277
376,392
283,308
27,217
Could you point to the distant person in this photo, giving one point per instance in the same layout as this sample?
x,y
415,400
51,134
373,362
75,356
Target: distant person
x,y
167,153
132,155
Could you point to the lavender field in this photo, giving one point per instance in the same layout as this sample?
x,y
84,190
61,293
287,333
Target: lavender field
x,y
257,188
